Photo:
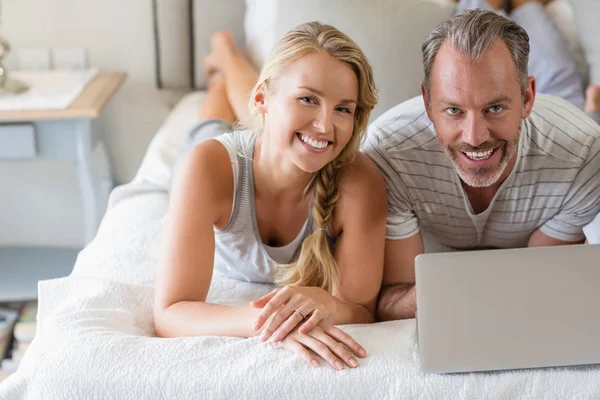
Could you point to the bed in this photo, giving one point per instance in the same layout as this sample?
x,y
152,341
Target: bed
x,y
95,337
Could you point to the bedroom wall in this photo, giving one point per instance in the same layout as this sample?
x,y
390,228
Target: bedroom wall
x,y
39,202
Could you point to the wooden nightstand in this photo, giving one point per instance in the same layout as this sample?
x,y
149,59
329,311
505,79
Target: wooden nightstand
x,y
55,135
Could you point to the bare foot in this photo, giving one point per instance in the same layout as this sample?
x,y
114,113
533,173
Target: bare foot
x,y
221,44
592,98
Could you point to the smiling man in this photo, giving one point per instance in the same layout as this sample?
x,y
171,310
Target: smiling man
x,y
479,161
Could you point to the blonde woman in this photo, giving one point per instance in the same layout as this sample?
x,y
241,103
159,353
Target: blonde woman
x,y
289,201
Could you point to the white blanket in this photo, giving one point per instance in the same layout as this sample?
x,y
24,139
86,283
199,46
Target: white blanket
x,y
95,337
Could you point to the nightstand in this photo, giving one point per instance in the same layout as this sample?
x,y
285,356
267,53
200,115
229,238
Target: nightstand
x,y
66,135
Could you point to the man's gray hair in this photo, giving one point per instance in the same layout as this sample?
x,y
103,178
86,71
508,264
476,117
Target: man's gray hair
x,y
474,32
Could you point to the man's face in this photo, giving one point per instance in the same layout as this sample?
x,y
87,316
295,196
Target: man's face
x,y
477,109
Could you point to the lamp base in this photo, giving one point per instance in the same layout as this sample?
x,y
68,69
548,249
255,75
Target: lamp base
x,y
12,87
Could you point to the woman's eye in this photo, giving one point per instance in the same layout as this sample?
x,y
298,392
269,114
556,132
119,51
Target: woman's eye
x,y
345,110
496,109
308,99
452,111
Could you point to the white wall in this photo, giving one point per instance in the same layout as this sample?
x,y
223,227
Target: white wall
x,y
39,202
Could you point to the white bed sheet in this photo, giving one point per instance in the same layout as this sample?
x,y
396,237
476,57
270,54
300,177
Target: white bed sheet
x,y
95,337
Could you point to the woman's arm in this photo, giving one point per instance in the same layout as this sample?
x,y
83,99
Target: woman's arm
x,y
362,215
360,218
201,197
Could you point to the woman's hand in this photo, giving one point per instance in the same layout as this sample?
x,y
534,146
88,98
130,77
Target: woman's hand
x,y
331,343
289,307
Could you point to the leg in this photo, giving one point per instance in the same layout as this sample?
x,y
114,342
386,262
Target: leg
x,y
215,114
215,104
550,61
240,76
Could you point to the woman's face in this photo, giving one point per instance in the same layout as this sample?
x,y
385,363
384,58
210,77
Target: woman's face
x,y
309,110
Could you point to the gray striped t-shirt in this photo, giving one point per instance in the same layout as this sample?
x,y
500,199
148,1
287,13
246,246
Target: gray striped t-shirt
x,y
554,186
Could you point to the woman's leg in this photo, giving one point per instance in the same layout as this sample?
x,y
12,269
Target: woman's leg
x,y
215,104
215,115
239,75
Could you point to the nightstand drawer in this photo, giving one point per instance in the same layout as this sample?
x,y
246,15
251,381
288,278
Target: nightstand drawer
x,y
17,141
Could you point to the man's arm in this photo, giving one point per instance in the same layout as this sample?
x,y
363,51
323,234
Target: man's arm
x,y
397,298
540,239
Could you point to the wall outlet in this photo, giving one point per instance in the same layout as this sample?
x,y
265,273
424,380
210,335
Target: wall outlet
x,y
33,59
75,58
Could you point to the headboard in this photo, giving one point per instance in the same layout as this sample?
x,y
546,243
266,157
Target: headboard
x,y
182,32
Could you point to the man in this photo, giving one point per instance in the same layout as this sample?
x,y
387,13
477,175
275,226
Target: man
x,y
479,161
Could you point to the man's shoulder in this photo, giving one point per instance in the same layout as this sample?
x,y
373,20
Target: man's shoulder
x,y
403,127
559,129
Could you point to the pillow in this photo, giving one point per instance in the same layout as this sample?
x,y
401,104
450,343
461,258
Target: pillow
x,y
390,32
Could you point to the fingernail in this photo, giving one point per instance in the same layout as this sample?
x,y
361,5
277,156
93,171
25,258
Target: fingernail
x,y
256,326
315,363
263,337
276,338
353,363
362,352
339,365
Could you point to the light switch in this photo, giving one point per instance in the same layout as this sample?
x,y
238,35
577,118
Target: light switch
x,y
75,58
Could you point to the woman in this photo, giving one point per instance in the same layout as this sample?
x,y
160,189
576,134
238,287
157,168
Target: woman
x,y
290,201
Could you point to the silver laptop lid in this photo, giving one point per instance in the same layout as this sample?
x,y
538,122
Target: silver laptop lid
x,y
506,309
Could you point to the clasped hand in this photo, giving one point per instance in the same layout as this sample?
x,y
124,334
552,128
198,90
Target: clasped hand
x,y
297,318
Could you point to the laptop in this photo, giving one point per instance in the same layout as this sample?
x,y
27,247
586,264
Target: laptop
x,y
508,309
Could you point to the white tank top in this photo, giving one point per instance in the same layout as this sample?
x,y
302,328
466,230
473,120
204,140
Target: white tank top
x,y
239,250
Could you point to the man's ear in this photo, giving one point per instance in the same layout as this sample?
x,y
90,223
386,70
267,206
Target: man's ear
x,y
425,99
260,99
529,97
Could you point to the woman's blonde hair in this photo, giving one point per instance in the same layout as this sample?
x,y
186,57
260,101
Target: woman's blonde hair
x,y
315,265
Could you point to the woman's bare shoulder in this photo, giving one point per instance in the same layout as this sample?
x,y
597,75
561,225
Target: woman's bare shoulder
x,y
361,175
363,193
204,178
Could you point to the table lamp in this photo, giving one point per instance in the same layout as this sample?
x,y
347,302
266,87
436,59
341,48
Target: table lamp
x,y
7,86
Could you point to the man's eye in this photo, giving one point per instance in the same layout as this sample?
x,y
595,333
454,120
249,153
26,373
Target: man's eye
x,y
452,111
496,109
308,99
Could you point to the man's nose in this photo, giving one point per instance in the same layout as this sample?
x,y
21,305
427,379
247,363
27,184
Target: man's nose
x,y
475,131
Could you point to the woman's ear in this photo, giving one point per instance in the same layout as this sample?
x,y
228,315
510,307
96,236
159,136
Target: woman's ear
x,y
260,99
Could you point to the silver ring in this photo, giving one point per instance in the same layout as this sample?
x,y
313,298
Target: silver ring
x,y
300,312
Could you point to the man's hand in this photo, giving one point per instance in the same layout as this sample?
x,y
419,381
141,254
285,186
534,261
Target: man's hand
x,y
331,343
